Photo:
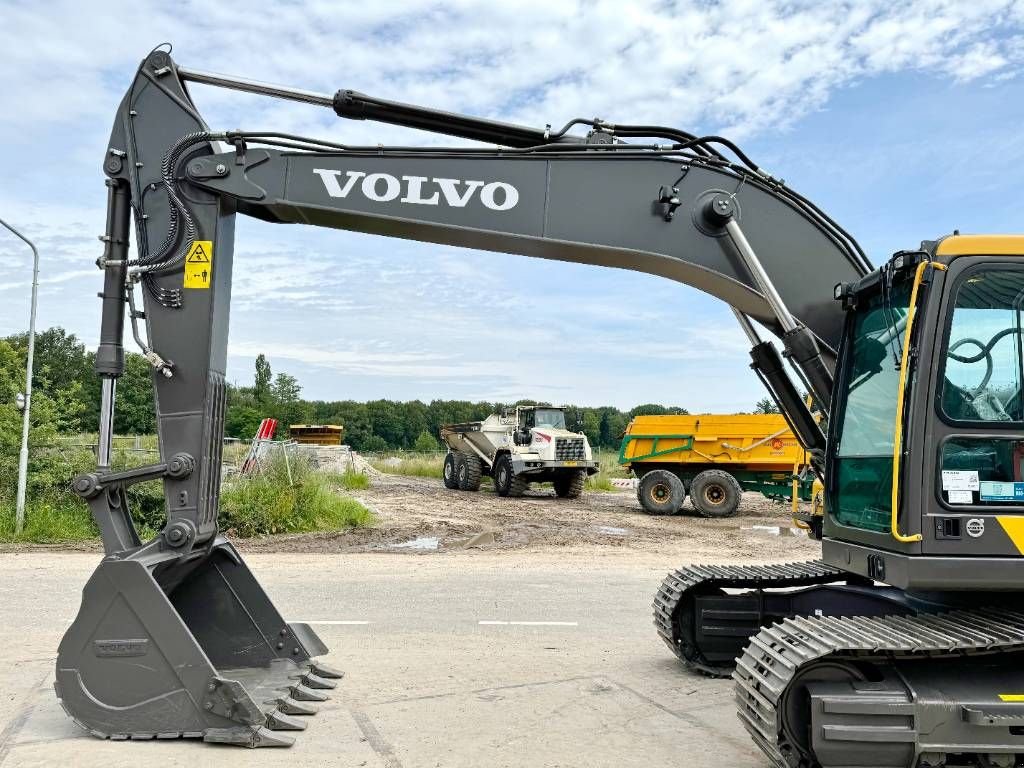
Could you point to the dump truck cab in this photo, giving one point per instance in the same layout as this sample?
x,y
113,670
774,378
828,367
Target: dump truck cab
x,y
541,431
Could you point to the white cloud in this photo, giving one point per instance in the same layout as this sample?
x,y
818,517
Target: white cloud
x,y
428,316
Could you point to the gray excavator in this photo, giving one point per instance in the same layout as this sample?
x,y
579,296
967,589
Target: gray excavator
x,y
900,647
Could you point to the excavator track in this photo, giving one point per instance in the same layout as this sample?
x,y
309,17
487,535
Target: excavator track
x,y
788,664
679,590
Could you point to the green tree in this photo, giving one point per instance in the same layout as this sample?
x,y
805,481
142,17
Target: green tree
x,y
261,385
591,426
387,422
766,405
242,421
61,365
375,444
648,409
613,424
48,473
425,443
136,412
288,407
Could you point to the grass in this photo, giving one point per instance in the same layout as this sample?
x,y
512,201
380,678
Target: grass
x,y
417,464
348,480
48,522
610,469
268,503
249,506
430,465
600,483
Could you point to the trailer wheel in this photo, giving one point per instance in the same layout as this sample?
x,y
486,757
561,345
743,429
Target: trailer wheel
x,y
468,473
715,493
569,485
450,480
505,481
661,492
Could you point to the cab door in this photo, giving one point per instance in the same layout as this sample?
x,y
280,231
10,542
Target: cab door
x,y
972,494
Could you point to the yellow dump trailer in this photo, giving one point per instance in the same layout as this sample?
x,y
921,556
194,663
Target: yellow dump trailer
x,y
712,458
317,434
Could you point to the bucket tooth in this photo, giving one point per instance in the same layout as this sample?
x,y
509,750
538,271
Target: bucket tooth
x,y
279,721
248,737
300,692
319,683
323,670
290,706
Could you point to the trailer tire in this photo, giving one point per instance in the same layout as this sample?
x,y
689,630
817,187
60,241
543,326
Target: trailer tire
x,y
716,493
506,483
661,492
449,472
569,485
468,471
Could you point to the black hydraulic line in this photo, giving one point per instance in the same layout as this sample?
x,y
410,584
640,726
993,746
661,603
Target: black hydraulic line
x,y
358,106
110,353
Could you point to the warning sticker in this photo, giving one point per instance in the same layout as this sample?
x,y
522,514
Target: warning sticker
x,y
199,264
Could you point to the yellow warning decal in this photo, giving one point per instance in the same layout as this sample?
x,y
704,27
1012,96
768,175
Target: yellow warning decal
x,y
1014,527
199,264
1011,696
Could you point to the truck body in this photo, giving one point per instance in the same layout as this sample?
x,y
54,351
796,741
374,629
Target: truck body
x,y
317,434
713,458
532,445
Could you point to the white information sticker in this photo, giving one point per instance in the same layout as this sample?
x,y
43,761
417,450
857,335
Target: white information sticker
x,y
960,497
960,480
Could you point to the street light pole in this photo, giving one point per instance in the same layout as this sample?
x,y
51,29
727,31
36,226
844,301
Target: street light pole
x,y
19,519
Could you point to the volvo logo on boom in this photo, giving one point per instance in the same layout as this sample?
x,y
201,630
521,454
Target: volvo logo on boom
x,y
418,190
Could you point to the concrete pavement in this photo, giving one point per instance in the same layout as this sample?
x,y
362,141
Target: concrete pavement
x,y
469,660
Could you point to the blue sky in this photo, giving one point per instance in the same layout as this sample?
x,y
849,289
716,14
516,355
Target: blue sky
x,y
903,121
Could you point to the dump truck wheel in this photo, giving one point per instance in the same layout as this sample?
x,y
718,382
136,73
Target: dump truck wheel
x,y
715,493
505,481
469,470
448,473
570,485
661,492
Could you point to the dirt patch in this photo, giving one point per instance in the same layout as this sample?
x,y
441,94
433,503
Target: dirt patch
x,y
428,518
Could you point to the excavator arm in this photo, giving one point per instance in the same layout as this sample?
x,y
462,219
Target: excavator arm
x,y
691,209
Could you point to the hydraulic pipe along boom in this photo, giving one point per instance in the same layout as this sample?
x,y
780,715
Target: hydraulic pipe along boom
x,y
110,353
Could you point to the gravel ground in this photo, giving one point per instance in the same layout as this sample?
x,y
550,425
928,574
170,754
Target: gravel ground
x,y
419,516
414,511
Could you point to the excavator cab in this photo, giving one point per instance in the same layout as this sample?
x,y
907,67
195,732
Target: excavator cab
x,y
925,450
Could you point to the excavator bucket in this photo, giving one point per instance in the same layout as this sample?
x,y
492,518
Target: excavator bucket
x,y
164,648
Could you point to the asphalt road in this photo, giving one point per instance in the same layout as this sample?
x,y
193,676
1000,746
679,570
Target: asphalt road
x,y
545,659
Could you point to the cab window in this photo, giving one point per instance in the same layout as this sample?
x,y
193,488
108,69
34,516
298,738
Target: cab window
x,y
983,366
862,472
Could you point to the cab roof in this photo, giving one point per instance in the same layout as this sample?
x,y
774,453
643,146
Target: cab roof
x,y
991,245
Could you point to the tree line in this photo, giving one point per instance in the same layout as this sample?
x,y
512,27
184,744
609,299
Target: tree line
x,y
63,373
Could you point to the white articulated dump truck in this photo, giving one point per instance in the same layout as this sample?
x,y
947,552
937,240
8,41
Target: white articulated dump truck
x,y
530,446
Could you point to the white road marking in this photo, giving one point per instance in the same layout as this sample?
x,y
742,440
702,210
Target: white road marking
x,y
335,623
529,623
